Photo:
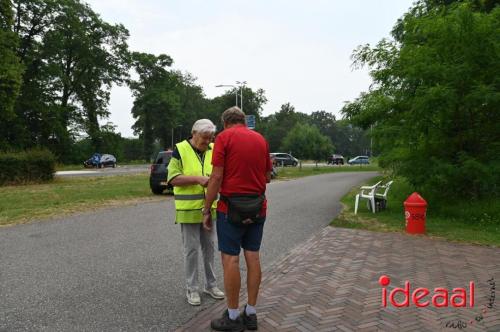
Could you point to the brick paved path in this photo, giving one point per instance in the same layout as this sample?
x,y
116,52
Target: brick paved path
x,y
330,283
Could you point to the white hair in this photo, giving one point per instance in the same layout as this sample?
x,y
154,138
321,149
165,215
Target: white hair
x,y
203,126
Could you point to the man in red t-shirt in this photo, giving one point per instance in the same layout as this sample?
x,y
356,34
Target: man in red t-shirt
x,y
241,167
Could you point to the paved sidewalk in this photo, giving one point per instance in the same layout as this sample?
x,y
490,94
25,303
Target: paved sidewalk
x,y
330,283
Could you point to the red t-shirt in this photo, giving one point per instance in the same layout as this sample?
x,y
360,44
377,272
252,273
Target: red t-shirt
x,y
244,154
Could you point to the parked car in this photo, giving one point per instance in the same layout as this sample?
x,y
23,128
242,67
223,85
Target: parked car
x,y
274,172
100,160
335,159
359,160
108,160
158,174
284,159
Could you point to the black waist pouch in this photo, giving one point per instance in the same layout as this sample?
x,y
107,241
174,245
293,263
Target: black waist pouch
x,y
244,209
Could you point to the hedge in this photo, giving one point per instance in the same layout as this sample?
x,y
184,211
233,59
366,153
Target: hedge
x,y
26,166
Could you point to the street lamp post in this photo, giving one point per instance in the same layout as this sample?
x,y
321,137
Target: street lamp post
x,y
172,139
232,86
371,140
241,84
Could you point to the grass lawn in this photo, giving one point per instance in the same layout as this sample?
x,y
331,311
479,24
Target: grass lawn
x,y
471,222
76,194
72,194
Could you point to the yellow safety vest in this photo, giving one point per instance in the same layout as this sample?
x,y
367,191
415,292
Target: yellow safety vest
x,y
189,198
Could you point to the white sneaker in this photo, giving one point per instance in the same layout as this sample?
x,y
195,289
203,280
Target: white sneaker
x,y
193,298
215,292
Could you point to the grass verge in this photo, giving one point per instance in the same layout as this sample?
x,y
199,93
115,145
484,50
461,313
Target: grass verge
x,y
470,222
66,195
72,194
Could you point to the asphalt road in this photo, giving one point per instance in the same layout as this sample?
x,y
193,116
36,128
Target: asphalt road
x,y
121,269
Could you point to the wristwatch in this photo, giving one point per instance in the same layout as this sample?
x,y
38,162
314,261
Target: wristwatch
x,y
205,212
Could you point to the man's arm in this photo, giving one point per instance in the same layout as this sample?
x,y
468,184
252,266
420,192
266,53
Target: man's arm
x,y
269,164
213,189
185,180
177,178
214,185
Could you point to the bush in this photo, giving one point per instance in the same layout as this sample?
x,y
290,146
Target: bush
x,y
26,166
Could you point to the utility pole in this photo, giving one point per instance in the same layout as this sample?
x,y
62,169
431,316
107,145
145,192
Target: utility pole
x,y
241,85
172,141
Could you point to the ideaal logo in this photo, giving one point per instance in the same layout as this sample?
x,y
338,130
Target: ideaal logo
x,y
423,297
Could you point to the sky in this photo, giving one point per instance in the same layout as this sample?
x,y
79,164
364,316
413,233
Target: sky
x,y
298,51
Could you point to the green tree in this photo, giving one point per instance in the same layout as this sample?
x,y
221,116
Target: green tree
x,y
10,72
193,105
276,126
350,140
112,142
158,100
72,58
435,98
132,149
85,56
253,103
307,142
325,122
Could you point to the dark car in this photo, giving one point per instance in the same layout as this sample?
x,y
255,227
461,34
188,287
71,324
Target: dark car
x,y
100,160
359,160
274,172
284,159
335,159
158,175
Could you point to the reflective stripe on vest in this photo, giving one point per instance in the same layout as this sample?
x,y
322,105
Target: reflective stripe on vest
x,y
192,197
189,197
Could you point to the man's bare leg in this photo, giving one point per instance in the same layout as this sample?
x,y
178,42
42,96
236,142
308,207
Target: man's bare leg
x,y
254,275
232,279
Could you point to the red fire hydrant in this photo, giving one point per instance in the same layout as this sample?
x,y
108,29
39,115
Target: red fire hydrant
x,y
415,210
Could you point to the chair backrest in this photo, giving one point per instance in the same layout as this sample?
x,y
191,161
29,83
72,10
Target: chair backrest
x,y
386,188
370,190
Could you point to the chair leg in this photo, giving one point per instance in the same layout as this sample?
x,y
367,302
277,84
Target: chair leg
x,y
356,204
372,201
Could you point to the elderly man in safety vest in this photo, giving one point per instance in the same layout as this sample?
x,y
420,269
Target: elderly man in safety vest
x,y
189,171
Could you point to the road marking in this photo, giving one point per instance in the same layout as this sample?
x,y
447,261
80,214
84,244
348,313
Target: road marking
x,y
74,172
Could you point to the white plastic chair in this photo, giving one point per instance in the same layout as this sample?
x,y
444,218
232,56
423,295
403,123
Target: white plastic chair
x,y
385,188
367,192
